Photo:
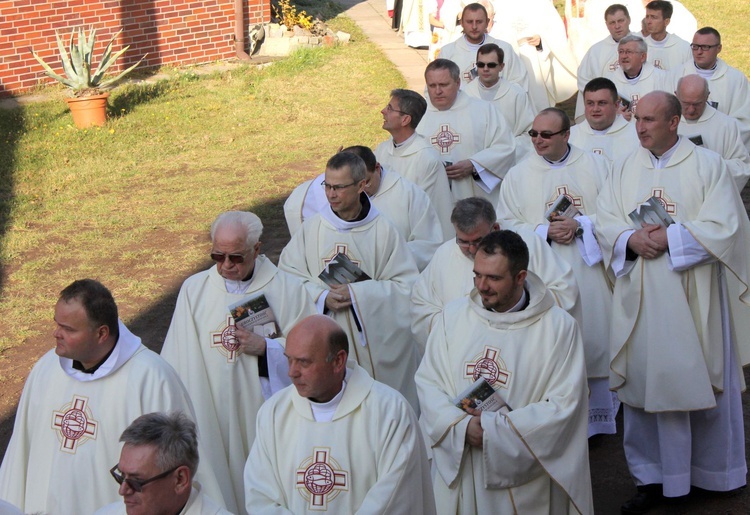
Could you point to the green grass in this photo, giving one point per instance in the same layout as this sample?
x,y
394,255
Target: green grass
x,y
130,203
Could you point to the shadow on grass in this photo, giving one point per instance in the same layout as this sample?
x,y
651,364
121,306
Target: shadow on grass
x,y
12,125
133,95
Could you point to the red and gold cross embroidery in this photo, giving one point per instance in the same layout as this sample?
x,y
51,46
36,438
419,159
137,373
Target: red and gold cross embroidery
x,y
320,479
563,190
445,139
488,365
224,340
74,424
669,206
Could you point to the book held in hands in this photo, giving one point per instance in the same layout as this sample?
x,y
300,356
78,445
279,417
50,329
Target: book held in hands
x,y
480,395
255,314
650,212
562,206
341,270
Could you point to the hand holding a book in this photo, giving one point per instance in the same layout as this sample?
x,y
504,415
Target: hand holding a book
x,y
649,242
339,297
474,431
250,343
562,230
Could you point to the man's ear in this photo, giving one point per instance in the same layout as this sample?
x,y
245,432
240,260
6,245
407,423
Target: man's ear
x,y
184,481
406,120
102,333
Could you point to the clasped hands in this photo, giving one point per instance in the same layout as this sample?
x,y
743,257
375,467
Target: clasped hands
x,y
460,169
562,230
339,297
250,343
650,241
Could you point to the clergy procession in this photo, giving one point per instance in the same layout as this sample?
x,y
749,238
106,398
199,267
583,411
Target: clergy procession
x,y
460,309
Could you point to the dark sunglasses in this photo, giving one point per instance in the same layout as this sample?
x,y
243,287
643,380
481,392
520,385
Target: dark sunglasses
x,y
237,259
488,65
136,484
544,134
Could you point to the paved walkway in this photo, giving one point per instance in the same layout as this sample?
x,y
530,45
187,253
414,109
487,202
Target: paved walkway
x,y
372,18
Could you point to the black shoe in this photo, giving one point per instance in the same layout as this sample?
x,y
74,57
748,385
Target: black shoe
x,y
648,497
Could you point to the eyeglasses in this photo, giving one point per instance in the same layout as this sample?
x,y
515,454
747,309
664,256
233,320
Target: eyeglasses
x,y
236,259
628,52
488,65
705,48
544,134
466,244
336,187
392,110
137,484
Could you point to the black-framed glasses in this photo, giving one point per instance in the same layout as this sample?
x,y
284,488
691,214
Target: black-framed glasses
x,y
336,187
236,259
392,110
544,134
137,484
488,65
467,244
705,48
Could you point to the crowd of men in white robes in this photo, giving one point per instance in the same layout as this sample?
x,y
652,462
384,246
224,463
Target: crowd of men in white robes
x,y
486,239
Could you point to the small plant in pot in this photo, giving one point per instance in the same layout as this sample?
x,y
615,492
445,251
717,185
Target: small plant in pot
x,y
88,103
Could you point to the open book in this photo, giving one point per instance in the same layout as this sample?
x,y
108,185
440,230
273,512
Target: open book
x,y
650,212
255,314
341,270
562,206
480,395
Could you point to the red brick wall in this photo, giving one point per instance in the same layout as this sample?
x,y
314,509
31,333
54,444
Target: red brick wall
x,y
171,31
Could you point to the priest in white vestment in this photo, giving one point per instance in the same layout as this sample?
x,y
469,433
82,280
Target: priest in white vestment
x,y
602,57
372,311
411,156
406,206
76,402
471,135
463,51
531,456
152,443
635,77
446,28
682,22
711,129
674,349
729,87
530,190
415,23
449,275
228,370
604,130
512,101
536,27
350,444
666,51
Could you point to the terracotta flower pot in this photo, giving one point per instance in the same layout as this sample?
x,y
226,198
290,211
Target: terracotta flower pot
x,y
88,111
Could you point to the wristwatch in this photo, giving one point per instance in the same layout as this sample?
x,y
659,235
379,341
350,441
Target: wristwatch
x,y
579,230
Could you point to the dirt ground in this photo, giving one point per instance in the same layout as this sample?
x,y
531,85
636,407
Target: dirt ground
x,y
611,482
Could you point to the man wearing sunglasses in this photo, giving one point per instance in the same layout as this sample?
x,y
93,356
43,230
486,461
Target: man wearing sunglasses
x,y
157,468
531,190
512,101
373,311
78,398
227,369
470,135
729,88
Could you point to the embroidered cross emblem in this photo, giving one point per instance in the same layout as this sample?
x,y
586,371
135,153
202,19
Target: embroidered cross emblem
x,y
488,365
74,424
445,139
224,340
320,479
340,248
669,207
563,190
613,66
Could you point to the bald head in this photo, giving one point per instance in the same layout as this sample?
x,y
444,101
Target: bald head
x,y
692,92
657,119
317,350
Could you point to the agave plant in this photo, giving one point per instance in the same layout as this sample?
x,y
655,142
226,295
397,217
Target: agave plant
x,y
78,63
